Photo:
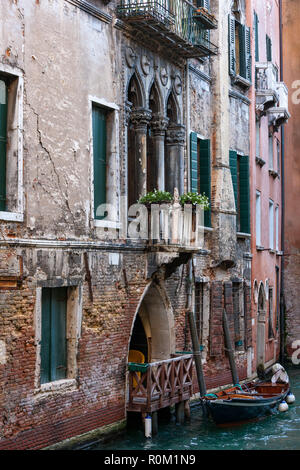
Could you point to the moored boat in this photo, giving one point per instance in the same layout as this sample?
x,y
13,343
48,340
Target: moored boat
x,y
245,402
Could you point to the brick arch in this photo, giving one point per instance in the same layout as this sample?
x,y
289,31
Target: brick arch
x,y
156,313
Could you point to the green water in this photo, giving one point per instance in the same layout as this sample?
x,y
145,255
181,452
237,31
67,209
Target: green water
x,y
279,431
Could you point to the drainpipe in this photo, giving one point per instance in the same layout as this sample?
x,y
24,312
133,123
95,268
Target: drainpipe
x,y
188,123
282,309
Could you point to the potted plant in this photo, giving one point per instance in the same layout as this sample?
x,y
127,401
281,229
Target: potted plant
x,y
195,199
156,197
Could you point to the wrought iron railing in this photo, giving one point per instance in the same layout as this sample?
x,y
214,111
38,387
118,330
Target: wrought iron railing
x,y
146,9
177,17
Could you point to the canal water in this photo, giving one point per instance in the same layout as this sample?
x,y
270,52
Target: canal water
x,y
279,431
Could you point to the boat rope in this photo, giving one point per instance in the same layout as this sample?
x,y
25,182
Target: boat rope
x,y
212,395
239,386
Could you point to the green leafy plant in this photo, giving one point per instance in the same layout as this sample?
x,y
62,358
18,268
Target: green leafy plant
x,y
156,196
195,198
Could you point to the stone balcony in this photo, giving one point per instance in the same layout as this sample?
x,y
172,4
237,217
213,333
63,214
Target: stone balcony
x,y
279,114
271,95
179,26
266,82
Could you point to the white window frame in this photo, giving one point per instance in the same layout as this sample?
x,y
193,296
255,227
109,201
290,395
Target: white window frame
x,y
258,218
271,152
18,215
257,138
113,161
277,228
271,224
73,333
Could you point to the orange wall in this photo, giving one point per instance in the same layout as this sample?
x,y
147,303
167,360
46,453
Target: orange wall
x,y
291,65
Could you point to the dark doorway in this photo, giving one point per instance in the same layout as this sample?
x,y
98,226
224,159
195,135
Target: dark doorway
x,y
138,338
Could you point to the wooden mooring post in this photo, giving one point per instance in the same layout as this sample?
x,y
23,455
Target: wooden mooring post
x,y
229,349
197,354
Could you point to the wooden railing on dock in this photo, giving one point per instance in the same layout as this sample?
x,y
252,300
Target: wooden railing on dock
x,y
162,384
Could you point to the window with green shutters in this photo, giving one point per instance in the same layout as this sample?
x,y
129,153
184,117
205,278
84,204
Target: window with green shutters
x,y
244,194
256,35
99,152
269,48
203,3
54,341
3,142
200,166
240,59
239,166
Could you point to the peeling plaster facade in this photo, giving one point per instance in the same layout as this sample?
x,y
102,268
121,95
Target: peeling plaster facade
x,y
66,55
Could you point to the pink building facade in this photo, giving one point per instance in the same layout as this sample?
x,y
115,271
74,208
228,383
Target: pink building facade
x,y
269,111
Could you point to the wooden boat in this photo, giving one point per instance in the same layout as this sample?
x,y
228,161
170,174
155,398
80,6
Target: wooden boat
x,y
245,402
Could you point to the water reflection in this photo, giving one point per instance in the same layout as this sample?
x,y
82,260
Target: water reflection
x,y
276,432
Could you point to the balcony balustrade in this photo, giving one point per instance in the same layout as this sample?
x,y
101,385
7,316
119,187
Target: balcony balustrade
x,y
168,227
160,384
177,24
266,81
271,95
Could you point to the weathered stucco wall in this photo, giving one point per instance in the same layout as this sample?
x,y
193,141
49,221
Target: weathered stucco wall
x,y
69,57
291,61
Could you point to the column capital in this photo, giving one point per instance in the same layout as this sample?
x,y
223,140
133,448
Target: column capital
x,y
176,134
159,124
140,117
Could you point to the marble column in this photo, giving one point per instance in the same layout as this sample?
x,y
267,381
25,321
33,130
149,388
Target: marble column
x,y
140,118
174,159
159,125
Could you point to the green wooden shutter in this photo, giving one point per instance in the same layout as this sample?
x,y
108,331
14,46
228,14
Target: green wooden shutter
x,y
248,57
245,52
99,150
54,342
269,48
193,162
205,176
203,3
242,44
244,185
58,333
233,169
3,139
256,37
231,45
46,336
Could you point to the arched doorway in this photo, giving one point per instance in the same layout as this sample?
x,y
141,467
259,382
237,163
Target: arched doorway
x,y
261,326
153,328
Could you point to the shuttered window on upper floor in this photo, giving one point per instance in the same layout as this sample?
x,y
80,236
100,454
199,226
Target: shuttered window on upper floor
x,y
54,340
239,166
240,60
200,164
3,142
256,35
203,3
99,118
269,48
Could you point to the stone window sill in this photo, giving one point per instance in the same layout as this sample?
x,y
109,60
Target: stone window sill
x,y
11,216
260,161
242,81
259,248
279,253
273,173
271,251
64,385
243,235
106,224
